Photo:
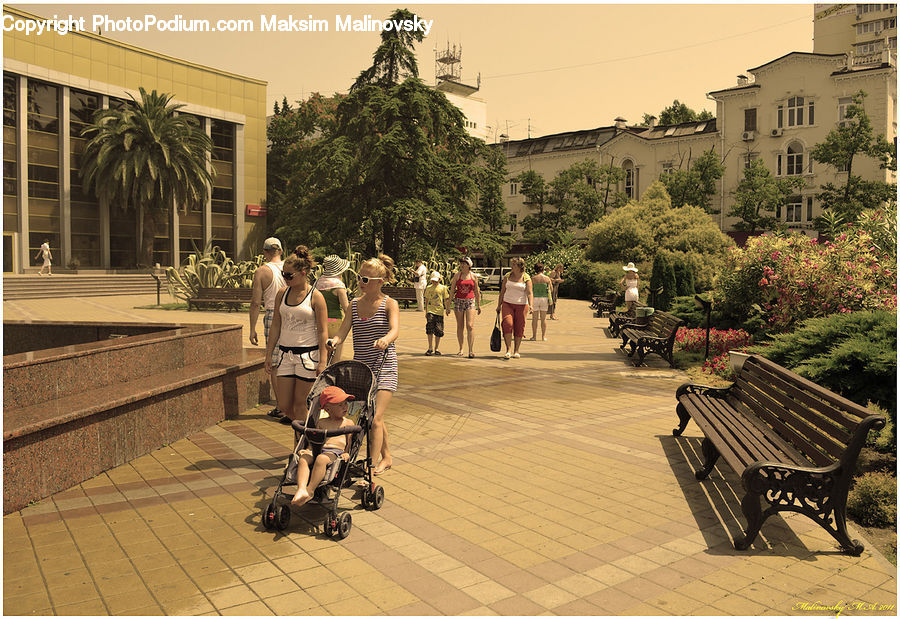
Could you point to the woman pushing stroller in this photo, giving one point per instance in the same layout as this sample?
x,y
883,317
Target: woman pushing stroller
x,y
375,321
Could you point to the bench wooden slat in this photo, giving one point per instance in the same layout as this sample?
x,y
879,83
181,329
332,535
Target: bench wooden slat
x,y
833,408
763,406
782,445
803,420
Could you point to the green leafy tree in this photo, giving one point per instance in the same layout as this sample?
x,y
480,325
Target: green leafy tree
x,y
396,165
577,196
640,229
394,59
759,195
695,185
855,137
677,113
145,156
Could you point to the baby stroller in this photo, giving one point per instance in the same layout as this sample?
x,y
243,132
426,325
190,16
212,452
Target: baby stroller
x,y
355,378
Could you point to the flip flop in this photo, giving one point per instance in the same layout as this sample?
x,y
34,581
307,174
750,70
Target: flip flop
x,y
517,356
437,353
459,354
376,472
275,413
471,355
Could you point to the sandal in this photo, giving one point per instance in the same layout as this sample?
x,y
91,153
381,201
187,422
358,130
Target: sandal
x,y
459,354
275,413
507,356
429,352
471,355
437,353
517,356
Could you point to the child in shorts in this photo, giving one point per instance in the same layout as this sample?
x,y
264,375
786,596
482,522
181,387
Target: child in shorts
x,y
334,401
437,302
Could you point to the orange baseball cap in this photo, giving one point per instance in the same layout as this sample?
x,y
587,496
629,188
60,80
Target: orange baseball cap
x,y
333,395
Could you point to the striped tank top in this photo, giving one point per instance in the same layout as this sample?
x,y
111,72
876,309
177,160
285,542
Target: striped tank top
x,y
365,332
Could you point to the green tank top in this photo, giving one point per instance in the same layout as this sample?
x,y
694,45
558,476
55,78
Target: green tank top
x,y
333,303
540,290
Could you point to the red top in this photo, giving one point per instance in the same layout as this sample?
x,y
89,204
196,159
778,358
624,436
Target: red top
x,y
465,289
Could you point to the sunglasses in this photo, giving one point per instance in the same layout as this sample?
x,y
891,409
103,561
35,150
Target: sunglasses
x,y
365,280
287,276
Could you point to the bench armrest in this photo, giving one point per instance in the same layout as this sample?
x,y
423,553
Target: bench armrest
x,y
716,392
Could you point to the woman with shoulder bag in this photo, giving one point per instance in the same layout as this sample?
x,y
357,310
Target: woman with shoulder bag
x,y
516,294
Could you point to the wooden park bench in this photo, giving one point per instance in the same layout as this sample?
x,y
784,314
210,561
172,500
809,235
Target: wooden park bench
x,y
656,336
402,294
617,319
232,297
794,444
604,303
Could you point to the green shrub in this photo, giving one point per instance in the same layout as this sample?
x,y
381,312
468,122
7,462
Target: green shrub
x,y
684,277
663,276
851,354
872,501
584,279
639,230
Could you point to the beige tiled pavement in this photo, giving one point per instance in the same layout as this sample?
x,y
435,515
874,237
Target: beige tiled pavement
x,y
545,485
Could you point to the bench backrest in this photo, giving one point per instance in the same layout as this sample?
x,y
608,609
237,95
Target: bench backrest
x,y
220,293
663,324
818,424
399,292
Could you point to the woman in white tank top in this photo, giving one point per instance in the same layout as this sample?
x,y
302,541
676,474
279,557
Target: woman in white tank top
x,y
297,336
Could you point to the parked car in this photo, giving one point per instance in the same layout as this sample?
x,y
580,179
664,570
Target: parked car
x,y
490,277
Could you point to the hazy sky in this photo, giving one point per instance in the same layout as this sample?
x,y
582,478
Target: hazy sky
x,y
563,67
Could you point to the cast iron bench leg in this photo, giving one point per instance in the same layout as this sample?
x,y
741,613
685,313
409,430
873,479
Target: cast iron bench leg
x,y
710,456
753,513
683,418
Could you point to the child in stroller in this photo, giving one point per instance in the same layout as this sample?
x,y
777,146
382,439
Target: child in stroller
x,y
334,444
333,400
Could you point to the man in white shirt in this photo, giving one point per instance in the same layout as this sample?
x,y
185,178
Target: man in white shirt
x,y
419,284
267,281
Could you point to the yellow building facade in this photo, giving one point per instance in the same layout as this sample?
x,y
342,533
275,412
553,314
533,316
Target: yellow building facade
x,y
53,84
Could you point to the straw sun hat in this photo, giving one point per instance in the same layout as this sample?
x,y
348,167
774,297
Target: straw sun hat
x,y
630,267
334,265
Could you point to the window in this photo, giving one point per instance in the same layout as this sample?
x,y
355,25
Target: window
x,y
890,23
809,214
867,27
750,119
794,159
866,48
85,214
843,102
748,159
513,222
892,43
797,112
794,210
667,168
513,188
629,178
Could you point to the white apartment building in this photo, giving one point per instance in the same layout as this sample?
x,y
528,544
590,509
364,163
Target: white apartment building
x,y
867,31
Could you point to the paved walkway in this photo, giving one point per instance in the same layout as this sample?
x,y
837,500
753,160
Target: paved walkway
x,y
545,485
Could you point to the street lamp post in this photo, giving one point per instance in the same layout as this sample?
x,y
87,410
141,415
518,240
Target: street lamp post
x,y
706,306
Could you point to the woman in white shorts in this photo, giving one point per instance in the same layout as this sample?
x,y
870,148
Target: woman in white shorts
x,y
299,329
541,284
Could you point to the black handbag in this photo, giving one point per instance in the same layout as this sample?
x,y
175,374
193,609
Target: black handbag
x,y
496,337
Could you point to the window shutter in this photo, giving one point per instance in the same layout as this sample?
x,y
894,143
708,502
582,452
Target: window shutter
x,y
778,166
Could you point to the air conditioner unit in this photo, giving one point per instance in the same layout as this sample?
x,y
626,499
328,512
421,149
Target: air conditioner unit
x,y
777,132
844,123
748,136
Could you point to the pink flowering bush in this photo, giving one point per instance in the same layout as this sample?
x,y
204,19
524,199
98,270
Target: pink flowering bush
x,y
720,342
719,366
787,279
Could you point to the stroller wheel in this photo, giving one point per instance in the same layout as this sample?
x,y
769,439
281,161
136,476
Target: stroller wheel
x,y
328,526
282,517
268,518
365,499
376,500
345,522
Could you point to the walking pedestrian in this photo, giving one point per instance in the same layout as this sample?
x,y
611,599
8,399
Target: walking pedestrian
x,y
630,281
374,319
557,279
300,331
333,289
44,252
419,283
267,281
437,302
466,303
540,285
516,295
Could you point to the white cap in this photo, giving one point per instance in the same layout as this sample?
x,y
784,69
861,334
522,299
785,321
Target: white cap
x,y
272,243
466,259
435,276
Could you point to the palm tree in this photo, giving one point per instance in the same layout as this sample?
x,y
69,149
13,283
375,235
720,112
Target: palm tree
x,y
145,156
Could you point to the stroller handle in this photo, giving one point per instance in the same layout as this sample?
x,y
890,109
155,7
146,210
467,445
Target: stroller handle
x,y
317,435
